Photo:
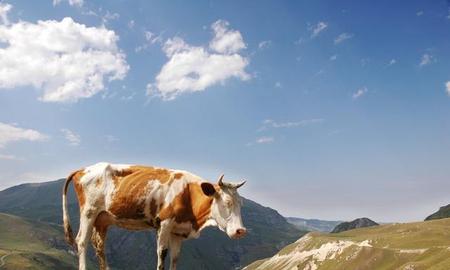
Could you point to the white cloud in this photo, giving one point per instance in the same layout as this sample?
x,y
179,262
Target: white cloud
x,y
447,87
131,24
89,13
261,140
174,46
320,72
268,123
110,17
265,140
225,40
73,138
342,37
426,59
4,10
128,97
264,44
195,68
150,38
316,29
78,3
278,85
11,133
65,59
419,13
360,92
392,62
333,57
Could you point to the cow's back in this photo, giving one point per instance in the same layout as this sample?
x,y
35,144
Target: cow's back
x,y
132,194
137,192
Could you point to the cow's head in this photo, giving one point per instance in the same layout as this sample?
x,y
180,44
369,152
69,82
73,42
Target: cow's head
x,y
226,207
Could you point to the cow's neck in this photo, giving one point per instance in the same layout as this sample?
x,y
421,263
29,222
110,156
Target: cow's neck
x,y
201,205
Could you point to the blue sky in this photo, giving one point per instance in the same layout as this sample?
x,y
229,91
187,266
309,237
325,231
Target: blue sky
x,y
330,109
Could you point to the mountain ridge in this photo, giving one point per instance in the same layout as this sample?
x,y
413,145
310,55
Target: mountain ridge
x,y
313,224
354,224
443,212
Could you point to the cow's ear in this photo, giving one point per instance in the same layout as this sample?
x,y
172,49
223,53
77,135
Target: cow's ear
x,y
208,189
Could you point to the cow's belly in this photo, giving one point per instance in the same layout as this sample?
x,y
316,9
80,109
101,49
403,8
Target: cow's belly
x,y
107,219
135,225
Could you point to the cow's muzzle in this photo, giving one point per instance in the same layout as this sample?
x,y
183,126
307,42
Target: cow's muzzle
x,y
239,233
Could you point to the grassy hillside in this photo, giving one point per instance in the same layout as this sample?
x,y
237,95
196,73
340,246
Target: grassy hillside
x,y
410,246
27,244
268,232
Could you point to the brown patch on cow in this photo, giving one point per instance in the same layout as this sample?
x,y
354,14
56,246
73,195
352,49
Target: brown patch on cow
x,y
129,202
142,172
120,174
191,205
151,173
98,181
153,208
103,221
76,178
132,186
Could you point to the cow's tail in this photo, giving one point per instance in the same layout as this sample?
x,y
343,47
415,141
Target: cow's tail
x,y
68,233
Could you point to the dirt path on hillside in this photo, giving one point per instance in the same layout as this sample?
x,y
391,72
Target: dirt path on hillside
x,y
2,260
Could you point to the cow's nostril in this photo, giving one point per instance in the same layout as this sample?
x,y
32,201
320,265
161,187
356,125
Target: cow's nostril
x,y
241,232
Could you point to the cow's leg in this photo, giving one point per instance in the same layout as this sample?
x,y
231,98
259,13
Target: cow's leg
x,y
84,233
98,241
98,238
163,243
175,246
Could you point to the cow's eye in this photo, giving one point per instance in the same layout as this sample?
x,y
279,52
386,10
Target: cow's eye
x,y
229,203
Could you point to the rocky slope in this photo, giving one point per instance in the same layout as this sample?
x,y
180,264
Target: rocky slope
x,y
410,246
355,224
268,232
443,212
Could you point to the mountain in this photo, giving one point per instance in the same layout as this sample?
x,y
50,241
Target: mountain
x,y
355,224
27,244
268,232
313,224
420,245
443,212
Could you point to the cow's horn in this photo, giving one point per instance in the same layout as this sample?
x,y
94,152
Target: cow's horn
x,y
220,182
238,185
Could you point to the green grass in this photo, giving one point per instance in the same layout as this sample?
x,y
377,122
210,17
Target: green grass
x,y
33,245
420,245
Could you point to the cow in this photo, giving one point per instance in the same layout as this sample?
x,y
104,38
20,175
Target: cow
x,y
177,204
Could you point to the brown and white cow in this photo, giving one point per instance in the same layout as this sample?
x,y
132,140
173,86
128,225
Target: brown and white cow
x,y
178,204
